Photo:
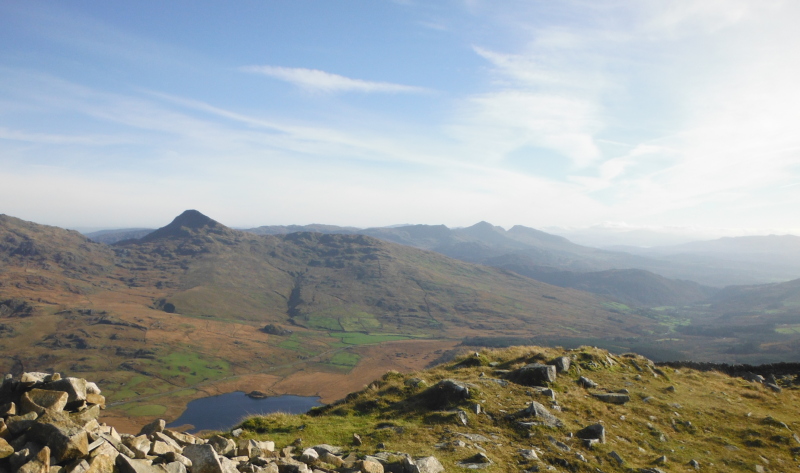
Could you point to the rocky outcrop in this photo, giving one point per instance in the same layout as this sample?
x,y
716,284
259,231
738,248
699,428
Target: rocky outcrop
x,y
50,424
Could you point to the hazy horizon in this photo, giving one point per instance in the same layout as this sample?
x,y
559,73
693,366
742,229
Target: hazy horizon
x,y
677,117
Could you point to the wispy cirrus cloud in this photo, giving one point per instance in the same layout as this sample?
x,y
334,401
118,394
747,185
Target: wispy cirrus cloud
x,y
321,81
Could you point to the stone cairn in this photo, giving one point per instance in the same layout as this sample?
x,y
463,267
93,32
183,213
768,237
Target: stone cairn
x,y
49,424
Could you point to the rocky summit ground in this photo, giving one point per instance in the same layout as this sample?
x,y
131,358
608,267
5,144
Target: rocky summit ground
x,y
518,409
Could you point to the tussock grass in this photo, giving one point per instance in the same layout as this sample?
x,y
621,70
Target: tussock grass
x,y
726,424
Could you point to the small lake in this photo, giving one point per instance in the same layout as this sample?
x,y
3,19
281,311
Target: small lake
x,y
226,410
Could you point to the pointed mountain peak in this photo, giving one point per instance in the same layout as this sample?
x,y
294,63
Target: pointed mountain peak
x,y
190,222
193,219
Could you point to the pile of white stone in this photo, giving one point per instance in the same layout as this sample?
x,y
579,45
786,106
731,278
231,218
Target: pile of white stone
x,y
49,424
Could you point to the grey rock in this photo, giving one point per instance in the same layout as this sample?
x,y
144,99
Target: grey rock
x,y
248,448
91,388
615,456
534,374
223,446
613,398
42,400
74,387
586,382
309,455
593,432
558,444
177,457
131,465
66,440
774,387
562,364
423,465
180,437
139,445
324,447
205,459
541,414
331,459
371,465
447,392
528,454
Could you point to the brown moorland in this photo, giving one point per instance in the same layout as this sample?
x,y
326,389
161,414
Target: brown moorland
x,y
179,314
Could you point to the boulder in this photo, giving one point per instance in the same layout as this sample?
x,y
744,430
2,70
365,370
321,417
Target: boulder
x,y
40,463
370,466
139,445
423,465
74,387
309,455
534,374
153,427
42,400
586,382
223,446
541,414
593,432
447,392
562,364
204,459
66,440
248,448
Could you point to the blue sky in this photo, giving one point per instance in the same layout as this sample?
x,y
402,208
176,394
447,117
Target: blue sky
x,y
634,114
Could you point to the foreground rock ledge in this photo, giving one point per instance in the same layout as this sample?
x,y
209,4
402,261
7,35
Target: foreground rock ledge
x,y
50,424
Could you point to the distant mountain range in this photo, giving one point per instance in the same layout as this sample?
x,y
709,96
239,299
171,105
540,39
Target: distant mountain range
x,y
670,275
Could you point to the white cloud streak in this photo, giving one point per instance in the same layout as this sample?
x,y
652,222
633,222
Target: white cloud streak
x,y
320,81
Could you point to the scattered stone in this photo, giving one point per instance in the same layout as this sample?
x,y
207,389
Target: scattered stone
x,y
423,465
558,444
477,461
596,432
462,417
541,414
774,387
694,464
534,374
613,398
586,382
615,456
309,455
528,454
562,364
